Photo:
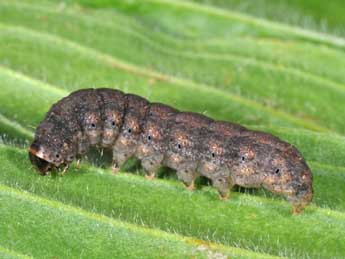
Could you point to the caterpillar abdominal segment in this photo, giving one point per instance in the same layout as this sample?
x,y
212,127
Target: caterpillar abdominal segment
x,y
159,135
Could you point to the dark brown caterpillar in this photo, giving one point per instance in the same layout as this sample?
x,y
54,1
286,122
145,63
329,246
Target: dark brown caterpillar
x,y
192,144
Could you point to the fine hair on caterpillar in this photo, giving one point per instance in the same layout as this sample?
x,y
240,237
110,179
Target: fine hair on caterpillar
x,y
159,135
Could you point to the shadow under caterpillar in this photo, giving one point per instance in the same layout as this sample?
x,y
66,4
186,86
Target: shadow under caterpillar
x,y
159,135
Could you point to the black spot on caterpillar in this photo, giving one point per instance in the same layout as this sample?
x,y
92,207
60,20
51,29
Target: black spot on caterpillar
x,y
159,135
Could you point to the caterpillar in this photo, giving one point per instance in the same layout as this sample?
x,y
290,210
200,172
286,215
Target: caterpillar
x,y
158,135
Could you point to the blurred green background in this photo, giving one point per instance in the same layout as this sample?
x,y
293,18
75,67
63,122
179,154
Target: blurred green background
x,y
277,66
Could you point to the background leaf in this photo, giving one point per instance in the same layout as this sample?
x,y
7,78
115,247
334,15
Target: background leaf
x,y
214,57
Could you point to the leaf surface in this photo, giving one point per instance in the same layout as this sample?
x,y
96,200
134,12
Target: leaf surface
x,y
205,57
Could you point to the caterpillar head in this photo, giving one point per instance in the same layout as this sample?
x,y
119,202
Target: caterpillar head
x,y
49,150
279,170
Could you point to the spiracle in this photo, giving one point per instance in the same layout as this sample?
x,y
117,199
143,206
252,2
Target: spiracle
x,y
159,135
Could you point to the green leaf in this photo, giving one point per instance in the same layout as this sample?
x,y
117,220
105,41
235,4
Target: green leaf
x,y
312,14
96,236
270,76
